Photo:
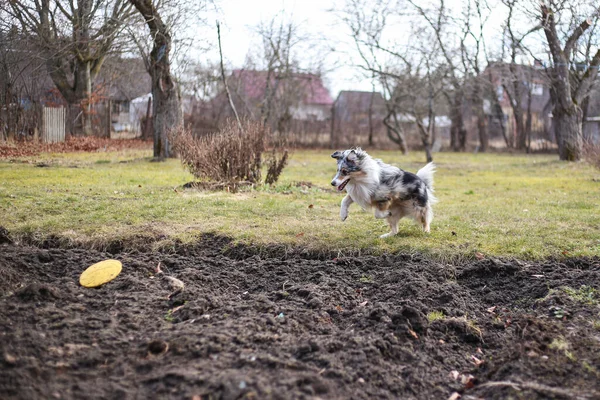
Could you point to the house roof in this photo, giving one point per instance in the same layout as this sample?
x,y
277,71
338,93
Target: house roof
x,y
252,84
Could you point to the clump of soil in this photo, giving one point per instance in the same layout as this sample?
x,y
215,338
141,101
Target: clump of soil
x,y
292,327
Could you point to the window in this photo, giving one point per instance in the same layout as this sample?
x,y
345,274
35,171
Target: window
x,y
537,89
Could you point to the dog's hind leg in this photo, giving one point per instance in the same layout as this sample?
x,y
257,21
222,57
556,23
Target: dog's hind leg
x,y
393,221
425,215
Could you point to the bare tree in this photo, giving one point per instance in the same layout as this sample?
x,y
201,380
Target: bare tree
x,y
462,48
367,25
570,85
166,97
517,83
437,19
75,37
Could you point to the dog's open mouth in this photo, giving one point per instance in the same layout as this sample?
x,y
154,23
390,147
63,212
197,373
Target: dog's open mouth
x,y
343,185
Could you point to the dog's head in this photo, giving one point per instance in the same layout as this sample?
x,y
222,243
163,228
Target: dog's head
x,y
349,163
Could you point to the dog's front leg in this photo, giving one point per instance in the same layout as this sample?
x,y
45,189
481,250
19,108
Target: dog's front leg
x,y
346,201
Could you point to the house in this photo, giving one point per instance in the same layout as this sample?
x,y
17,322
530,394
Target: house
x,y
353,106
591,124
535,98
293,96
122,80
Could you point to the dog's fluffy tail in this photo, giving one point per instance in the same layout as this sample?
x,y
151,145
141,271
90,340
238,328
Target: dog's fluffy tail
x,y
426,174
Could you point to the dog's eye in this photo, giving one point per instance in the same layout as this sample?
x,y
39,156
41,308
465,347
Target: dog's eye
x,y
344,172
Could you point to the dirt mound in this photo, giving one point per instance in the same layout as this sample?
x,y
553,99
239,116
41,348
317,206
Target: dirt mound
x,y
252,326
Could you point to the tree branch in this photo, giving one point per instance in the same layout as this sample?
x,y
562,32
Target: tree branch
x,y
576,35
237,117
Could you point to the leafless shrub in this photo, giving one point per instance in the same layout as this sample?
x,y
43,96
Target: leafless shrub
x,y
232,156
591,153
275,165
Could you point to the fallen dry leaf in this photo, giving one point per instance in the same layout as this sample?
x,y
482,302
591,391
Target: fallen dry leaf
x,y
413,333
364,303
479,256
300,234
491,309
454,396
476,361
311,206
468,381
454,375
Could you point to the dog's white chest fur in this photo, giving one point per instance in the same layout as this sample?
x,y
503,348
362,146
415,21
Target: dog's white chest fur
x,y
361,193
361,188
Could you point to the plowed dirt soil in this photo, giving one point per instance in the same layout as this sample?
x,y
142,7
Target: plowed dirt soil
x,y
294,326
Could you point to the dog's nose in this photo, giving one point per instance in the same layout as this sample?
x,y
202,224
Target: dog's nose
x,y
332,183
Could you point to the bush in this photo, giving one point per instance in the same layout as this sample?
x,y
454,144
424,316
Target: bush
x,y
232,157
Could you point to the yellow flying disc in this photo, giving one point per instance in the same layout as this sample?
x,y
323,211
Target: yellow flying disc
x,y
100,273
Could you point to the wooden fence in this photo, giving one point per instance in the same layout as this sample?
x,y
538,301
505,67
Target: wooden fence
x,y
53,124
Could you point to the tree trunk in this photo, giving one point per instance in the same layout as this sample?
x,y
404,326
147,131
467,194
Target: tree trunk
x,y
484,139
166,99
83,95
424,134
567,127
394,131
516,102
332,136
529,123
147,120
458,133
371,119
567,114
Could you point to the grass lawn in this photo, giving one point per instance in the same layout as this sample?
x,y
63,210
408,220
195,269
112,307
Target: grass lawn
x,y
494,204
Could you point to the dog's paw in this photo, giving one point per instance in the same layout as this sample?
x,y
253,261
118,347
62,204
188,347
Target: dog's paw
x,y
343,216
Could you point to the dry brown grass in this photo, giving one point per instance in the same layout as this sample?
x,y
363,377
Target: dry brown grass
x,y
232,156
591,153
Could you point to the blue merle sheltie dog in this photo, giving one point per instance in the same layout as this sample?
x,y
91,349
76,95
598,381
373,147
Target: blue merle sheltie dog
x,y
390,191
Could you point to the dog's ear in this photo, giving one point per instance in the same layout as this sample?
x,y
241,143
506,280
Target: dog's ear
x,y
337,155
352,156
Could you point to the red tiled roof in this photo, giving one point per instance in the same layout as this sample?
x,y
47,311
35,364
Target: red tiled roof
x,y
253,83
